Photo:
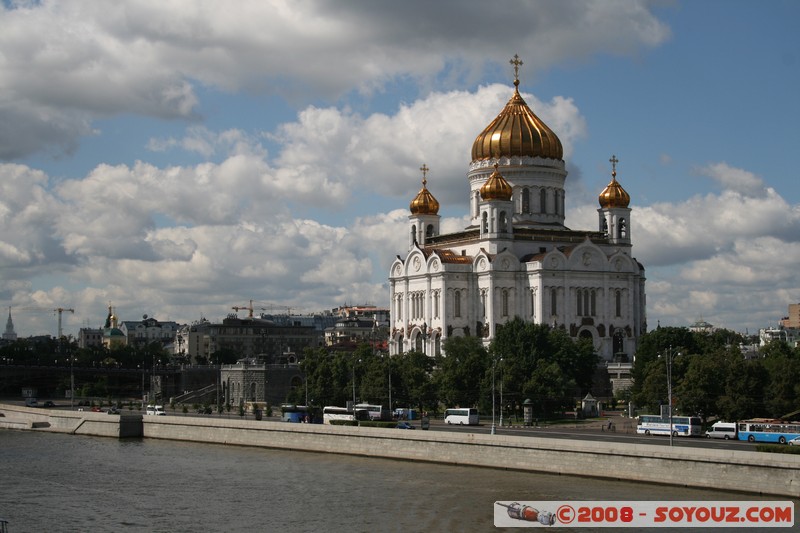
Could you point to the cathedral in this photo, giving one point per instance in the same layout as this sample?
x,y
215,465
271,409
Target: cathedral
x,y
516,258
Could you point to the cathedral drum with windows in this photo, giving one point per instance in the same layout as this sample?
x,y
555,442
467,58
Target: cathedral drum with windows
x,y
516,257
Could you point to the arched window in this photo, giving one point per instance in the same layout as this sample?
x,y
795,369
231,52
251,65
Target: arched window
x,y
485,222
623,228
526,200
579,306
553,302
542,201
533,303
505,302
457,304
429,230
605,227
593,298
413,233
252,392
618,342
503,222
618,303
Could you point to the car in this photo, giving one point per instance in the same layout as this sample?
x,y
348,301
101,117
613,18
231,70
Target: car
x,y
794,442
113,411
96,409
48,403
404,425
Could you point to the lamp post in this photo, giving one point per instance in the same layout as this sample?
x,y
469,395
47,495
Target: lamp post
x,y
494,367
354,382
668,360
501,391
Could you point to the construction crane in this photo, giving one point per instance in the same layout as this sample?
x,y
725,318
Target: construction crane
x,y
58,310
249,308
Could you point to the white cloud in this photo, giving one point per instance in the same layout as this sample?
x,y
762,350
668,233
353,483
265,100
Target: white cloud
x,y
66,64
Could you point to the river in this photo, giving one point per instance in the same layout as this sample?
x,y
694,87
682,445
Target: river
x,y
58,482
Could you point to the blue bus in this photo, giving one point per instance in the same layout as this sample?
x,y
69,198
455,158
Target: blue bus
x,y
294,413
768,430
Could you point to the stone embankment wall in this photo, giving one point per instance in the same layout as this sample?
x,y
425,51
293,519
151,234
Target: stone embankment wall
x,y
75,422
734,470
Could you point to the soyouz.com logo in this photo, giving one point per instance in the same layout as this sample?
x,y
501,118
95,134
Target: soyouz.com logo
x,y
620,514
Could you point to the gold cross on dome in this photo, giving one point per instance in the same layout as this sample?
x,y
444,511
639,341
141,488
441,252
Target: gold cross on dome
x,y
424,168
517,62
613,162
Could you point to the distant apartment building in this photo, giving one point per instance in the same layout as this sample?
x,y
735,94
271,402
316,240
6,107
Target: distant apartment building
x,y
90,338
788,329
148,330
790,336
792,320
248,338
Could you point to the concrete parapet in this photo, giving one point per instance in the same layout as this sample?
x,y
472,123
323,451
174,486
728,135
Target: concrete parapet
x,y
75,422
735,470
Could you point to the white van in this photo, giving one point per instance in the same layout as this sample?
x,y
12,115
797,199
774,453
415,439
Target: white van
x,y
155,410
722,430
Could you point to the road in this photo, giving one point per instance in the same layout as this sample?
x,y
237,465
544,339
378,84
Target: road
x,y
594,433
623,432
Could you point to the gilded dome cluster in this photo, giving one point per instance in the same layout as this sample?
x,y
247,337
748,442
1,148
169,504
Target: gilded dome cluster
x,y
496,187
517,131
614,195
424,203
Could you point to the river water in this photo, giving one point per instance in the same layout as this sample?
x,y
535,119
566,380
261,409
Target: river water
x,y
57,482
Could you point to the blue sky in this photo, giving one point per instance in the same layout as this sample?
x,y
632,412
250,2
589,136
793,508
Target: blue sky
x,y
177,159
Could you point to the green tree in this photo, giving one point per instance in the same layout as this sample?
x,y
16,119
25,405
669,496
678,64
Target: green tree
x,y
458,376
744,390
703,384
542,364
412,381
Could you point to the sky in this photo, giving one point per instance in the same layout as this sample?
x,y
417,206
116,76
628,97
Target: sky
x,y
180,158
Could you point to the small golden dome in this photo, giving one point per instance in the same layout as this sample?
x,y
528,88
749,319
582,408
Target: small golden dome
x,y
614,195
424,203
496,187
517,131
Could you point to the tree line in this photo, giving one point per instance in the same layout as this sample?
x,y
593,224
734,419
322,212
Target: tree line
x,y
524,362
712,377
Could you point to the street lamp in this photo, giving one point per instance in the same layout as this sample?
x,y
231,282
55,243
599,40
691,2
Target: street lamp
x,y
354,382
501,391
494,367
668,360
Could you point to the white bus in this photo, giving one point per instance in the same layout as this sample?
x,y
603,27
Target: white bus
x,y
468,417
682,426
331,413
376,412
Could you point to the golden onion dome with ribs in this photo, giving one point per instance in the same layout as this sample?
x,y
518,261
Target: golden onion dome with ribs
x,y
517,131
614,195
496,187
424,203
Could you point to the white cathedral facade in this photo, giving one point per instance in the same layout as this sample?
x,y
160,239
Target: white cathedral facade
x,y
516,258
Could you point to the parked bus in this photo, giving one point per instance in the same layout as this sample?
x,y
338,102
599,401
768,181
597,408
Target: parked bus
x,y
468,417
331,413
294,413
376,412
768,430
682,426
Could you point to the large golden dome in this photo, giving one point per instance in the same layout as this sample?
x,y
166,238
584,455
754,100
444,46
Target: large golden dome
x,y
517,131
496,187
424,203
614,195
